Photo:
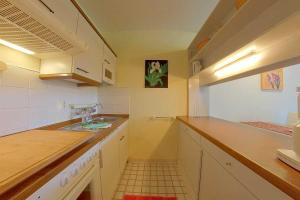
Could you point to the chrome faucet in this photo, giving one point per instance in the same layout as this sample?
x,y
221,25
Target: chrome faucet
x,y
86,114
84,111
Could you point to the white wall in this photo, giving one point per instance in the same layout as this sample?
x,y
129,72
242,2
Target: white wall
x,y
148,138
198,98
27,102
114,100
243,100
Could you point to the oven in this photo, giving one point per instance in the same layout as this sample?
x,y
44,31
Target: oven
x,y
80,180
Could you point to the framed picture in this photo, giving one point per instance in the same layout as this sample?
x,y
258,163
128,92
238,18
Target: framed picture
x,y
156,74
272,80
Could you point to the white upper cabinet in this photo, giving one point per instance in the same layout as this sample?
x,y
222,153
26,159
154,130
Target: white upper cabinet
x,y
89,63
62,10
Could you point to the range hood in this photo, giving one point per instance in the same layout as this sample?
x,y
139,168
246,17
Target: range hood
x,y
25,23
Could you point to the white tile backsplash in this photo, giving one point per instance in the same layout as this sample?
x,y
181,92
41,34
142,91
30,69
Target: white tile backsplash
x,y
16,77
13,119
26,102
115,100
1,78
11,97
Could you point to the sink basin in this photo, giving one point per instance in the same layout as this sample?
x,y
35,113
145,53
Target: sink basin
x,y
98,124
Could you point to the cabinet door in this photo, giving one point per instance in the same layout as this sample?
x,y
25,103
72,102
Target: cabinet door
x,y
123,147
189,157
110,166
217,183
62,10
89,62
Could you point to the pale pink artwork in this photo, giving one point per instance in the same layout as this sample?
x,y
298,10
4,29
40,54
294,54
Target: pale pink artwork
x,y
272,80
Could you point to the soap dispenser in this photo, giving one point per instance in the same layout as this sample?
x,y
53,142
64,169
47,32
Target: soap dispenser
x,y
292,156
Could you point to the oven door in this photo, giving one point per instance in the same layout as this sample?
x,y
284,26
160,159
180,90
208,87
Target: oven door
x,y
88,186
108,73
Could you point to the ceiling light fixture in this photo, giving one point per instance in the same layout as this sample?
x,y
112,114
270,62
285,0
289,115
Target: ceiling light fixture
x,y
236,63
16,47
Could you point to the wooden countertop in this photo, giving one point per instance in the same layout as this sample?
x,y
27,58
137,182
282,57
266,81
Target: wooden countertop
x,y
255,148
22,188
26,153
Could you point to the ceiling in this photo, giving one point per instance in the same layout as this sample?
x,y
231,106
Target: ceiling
x,y
142,22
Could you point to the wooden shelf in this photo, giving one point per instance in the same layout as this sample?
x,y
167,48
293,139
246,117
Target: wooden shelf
x,y
278,48
247,14
216,20
253,20
79,80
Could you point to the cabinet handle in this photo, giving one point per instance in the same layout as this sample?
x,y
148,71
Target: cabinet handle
x,y
228,163
122,138
50,10
107,61
82,70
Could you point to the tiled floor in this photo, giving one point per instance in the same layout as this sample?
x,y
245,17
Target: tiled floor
x,y
151,178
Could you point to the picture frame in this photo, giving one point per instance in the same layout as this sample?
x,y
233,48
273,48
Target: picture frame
x,y
156,73
272,80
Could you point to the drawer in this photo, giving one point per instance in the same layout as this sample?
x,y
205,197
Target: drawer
x,y
261,188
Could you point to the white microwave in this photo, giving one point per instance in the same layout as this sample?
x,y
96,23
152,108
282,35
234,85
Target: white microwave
x,y
108,73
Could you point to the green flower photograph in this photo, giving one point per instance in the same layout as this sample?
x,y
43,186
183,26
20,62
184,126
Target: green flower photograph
x,y
156,74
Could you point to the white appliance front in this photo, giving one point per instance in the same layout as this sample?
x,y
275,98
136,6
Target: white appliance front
x,y
83,175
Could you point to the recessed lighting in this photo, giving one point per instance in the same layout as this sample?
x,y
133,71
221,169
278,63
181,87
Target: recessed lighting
x,y
16,47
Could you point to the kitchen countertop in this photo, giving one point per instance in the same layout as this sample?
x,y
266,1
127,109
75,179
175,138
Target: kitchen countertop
x,y
254,147
24,188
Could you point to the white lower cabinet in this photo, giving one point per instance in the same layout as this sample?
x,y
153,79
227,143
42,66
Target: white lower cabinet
x,y
112,161
189,160
97,170
217,183
123,147
211,174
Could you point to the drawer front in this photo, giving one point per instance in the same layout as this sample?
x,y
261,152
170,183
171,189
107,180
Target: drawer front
x,y
261,188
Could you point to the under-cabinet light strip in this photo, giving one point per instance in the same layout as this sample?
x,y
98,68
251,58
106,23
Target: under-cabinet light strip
x,y
16,47
238,64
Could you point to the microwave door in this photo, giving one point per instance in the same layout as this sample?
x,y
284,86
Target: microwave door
x,y
108,73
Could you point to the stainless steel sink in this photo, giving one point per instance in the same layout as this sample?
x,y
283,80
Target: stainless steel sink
x,y
83,126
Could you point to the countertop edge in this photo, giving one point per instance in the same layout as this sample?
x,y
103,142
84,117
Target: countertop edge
x,y
278,182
